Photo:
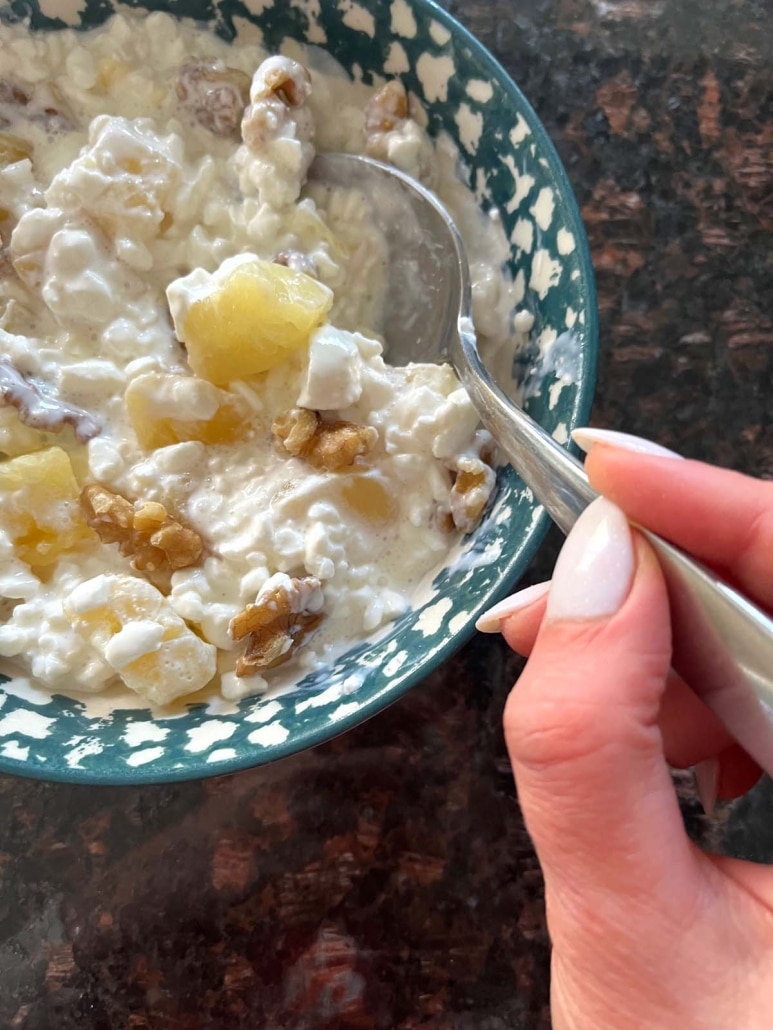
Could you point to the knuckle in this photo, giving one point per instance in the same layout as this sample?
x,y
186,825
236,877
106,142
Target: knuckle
x,y
563,718
546,733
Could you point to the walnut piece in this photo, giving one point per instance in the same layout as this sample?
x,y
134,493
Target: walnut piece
x,y
215,97
40,409
285,611
386,108
283,78
148,535
295,430
279,85
470,493
332,446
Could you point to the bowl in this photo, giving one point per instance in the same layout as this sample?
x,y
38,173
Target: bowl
x,y
511,162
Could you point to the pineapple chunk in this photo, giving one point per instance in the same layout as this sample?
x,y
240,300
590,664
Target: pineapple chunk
x,y
136,631
40,510
247,318
368,496
167,409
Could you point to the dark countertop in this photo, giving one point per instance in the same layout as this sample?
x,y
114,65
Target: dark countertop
x,y
385,881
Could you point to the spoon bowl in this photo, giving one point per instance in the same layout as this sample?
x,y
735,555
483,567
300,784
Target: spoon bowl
x,y
429,301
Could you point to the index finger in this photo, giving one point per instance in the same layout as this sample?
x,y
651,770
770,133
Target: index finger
x,y
723,518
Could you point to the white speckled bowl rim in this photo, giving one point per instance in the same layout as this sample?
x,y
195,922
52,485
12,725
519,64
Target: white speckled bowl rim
x,y
60,744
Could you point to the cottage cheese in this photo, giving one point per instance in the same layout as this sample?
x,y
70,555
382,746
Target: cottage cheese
x,y
132,187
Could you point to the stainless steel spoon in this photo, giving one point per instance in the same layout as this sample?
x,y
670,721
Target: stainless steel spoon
x,y
723,643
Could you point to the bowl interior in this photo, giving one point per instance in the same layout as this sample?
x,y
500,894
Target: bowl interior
x,y
510,163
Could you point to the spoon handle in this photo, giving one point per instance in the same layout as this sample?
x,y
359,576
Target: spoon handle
x,y
722,642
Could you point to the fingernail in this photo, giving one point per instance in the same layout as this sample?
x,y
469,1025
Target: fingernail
x,y
491,620
586,438
707,783
594,570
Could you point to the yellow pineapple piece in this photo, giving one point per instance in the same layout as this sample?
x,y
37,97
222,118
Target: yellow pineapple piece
x,y
247,318
367,496
167,409
13,149
79,459
136,631
40,510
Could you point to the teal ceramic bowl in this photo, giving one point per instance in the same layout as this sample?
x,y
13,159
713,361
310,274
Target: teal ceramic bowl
x,y
510,163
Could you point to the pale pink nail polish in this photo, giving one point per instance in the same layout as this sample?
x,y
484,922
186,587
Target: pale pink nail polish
x,y
491,621
586,438
707,784
595,568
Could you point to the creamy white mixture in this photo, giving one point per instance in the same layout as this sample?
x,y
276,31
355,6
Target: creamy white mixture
x,y
143,167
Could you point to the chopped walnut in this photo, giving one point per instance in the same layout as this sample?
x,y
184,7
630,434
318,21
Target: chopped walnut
x,y
38,409
109,514
339,444
162,542
148,534
279,85
295,430
325,445
444,521
393,136
285,611
215,97
283,78
470,493
386,108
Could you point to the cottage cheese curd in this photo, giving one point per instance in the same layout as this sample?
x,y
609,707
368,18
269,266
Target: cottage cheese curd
x,y
209,468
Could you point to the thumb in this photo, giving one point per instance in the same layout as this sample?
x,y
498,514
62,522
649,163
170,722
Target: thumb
x,y
582,728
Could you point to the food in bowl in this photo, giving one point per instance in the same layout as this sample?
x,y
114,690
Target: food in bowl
x,y
212,477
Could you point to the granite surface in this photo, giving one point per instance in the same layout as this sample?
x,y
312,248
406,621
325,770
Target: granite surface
x,y
386,880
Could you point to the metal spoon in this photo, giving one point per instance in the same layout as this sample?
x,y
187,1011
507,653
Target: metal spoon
x,y
722,642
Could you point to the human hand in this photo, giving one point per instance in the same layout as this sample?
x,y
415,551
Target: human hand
x,y
647,930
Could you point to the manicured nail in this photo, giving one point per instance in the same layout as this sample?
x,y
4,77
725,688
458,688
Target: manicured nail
x,y
491,621
594,570
586,438
707,784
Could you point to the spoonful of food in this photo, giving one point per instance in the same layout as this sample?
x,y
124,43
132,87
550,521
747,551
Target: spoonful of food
x,y
722,642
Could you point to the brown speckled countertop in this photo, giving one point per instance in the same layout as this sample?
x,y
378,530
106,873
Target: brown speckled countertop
x,y
385,881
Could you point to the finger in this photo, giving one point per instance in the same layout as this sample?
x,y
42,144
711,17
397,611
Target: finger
x,y
520,629
721,517
738,773
691,731
582,725
493,620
